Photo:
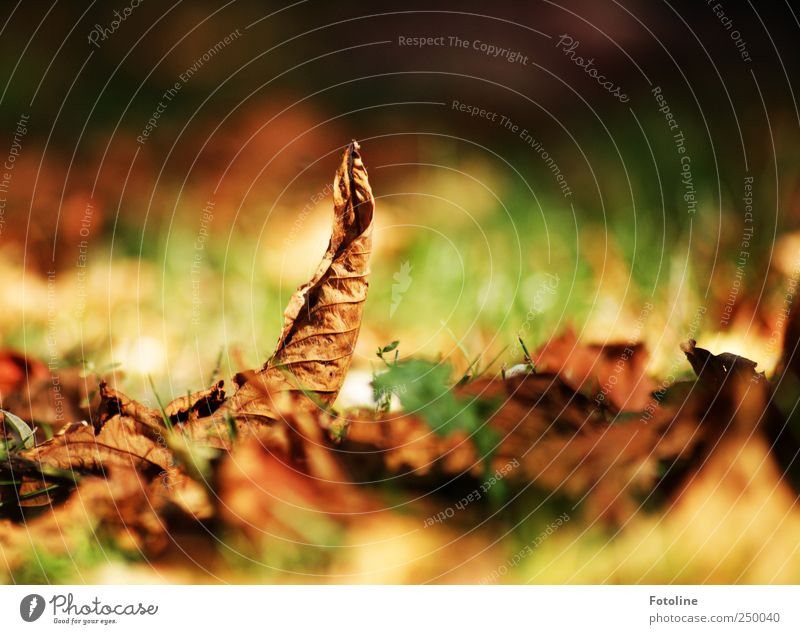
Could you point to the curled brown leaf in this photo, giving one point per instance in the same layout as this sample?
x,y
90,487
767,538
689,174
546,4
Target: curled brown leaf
x,y
323,318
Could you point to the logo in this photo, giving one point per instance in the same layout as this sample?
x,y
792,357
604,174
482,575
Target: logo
x,y
31,607
403,281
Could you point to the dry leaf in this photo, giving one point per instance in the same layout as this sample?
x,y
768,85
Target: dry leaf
x,y
17,371
261,493
611,374
323,318
198,405
713,369
118,502
114,403
38,396
119,443
560,440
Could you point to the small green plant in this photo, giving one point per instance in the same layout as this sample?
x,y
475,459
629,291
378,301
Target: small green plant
x,y
233,431
19,428
527,355
425,389
194,458
165,418
383,399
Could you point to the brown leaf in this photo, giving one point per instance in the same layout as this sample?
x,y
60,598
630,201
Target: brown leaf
x,y
611,374
37,395
562,443
17,371
713,369
404,443
290,454
266,493
118,443
321,325
323,318
117,502
113,403
198,405
790,359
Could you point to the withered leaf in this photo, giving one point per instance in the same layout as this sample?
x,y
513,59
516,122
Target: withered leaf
x,y
559,440
267,492
323,318
714,369
321,325
119,502
38,396
198,405
113,403
118,443
613,375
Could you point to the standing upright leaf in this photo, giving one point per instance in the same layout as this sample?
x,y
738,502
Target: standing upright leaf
x,y
323,318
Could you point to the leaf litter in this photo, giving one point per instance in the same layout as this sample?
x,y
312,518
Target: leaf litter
x,y
274,460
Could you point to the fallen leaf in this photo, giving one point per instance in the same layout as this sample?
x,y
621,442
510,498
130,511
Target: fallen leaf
x,y
17,371
198,405
560,441
118,503
77,447
610,374
38,396
712,370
